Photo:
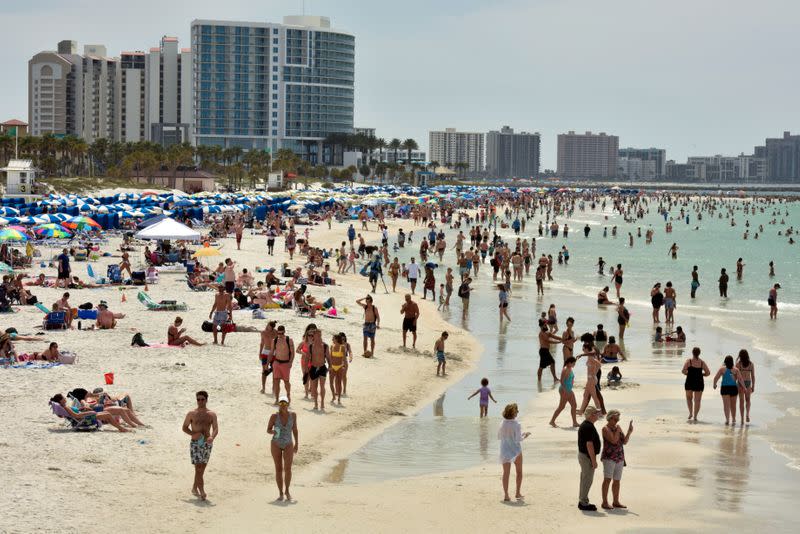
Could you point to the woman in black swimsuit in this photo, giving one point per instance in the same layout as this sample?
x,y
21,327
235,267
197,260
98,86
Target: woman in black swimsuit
x,y
657,300
695,370
618,278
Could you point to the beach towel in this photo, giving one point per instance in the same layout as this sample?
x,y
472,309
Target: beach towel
x,y
162,346
35,365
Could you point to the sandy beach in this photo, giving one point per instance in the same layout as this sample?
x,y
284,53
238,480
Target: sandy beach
x,y
679,475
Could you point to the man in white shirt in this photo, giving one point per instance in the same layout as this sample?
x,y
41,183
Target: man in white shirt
x,y
413,274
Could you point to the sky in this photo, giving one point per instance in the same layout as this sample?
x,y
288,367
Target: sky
x,y
695,77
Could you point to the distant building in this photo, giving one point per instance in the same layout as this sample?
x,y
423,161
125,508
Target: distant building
x,y
783,158
155,94
450,148
646,169
587,155
369,132
510,154
267,86
14,128
190,180
383,156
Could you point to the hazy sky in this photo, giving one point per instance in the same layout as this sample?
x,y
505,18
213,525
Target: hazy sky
x,y
695,77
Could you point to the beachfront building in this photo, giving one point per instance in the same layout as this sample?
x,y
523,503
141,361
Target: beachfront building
x,y
267,86
71,93
369,132
783,158
641,163
14,128
155,94
388,157
587,155
512,155
449,148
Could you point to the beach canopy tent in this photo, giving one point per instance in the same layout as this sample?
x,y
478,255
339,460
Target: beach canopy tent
x,y
150,222
168,229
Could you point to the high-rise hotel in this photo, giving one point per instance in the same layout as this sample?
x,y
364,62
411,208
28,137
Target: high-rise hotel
x,y
267,86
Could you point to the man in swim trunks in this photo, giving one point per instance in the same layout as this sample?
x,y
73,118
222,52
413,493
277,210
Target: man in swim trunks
x,y
201,425
282,354
319,355
268,335
410,311
772,300
221,312
545,358
438,348
372,321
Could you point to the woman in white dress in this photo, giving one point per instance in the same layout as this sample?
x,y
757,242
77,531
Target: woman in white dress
x,y
511,436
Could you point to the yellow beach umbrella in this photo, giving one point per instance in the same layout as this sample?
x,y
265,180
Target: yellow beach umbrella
x,y
206,252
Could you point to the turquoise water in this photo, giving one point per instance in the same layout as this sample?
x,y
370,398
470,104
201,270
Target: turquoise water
x,y
447,435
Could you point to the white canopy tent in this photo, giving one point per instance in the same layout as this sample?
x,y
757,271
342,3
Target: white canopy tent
x,y
169,228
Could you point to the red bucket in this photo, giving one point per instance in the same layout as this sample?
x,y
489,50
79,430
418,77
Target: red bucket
x,y
109,378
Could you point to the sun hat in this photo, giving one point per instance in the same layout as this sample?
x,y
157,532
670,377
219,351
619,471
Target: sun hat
x,y
283,398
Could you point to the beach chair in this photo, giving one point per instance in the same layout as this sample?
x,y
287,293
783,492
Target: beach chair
x,y
152,305
87,423
114,274
56,320
42,307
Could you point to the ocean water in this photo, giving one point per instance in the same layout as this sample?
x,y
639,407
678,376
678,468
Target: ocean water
x,y
446,435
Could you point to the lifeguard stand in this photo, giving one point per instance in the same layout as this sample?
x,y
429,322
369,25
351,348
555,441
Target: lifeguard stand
x,y
20,177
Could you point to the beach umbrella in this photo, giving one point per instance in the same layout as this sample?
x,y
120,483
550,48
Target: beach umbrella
x,y
5,268
3,221
9,235
9,212
51,230
82,223
28,220
206,252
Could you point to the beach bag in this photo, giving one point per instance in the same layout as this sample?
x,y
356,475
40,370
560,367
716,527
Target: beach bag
x,y
67,358
86,306
207,326
463,291
227,328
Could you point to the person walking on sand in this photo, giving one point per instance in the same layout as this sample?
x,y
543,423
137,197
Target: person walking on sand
x,y
238,229
747,370
613,457
319,355
566,395
268,336
772,301
201,425
502,295
372,322
588,447
485,394
410,311
510,435
282,355
545,357
593,374
221,312
695,371
413,275
283,427
438,349
731,382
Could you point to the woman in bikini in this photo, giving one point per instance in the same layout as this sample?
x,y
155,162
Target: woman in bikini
x,y
394,273
565,392
747,387
125,264
305,356
568,339
283,427
593,374
338,363
552,319
347,361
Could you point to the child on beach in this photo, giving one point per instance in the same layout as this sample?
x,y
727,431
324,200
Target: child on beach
x,y
438,349
486,394
441,297
615,376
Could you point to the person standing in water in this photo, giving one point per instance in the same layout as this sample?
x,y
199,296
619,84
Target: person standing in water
x,y
673,251
739,269
618,278
747,370
670,297
695,371
545,358
485,394
731,381
201,425
772,300
695,280
283,427
723,283
623,316
510,435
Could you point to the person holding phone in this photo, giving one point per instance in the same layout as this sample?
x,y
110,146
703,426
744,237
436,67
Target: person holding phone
x,y
511,436
613,457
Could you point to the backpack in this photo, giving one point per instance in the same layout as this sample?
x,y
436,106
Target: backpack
x,y
463,291
138,340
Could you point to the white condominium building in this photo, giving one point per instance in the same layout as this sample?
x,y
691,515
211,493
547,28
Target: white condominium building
x,y
450,148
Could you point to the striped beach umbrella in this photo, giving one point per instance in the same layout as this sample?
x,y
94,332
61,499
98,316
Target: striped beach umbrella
x,y
9,235
82,223
52,230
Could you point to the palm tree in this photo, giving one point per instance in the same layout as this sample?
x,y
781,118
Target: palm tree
x,y
395,145
6,148
408,146
380,144
176,156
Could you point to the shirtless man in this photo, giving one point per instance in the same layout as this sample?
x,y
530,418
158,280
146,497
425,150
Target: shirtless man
x,y
238,228
229,275
268,335
221,311
372,321
106,320
282,354
410,311
175,335
63,304
319,355
545,358
201,425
